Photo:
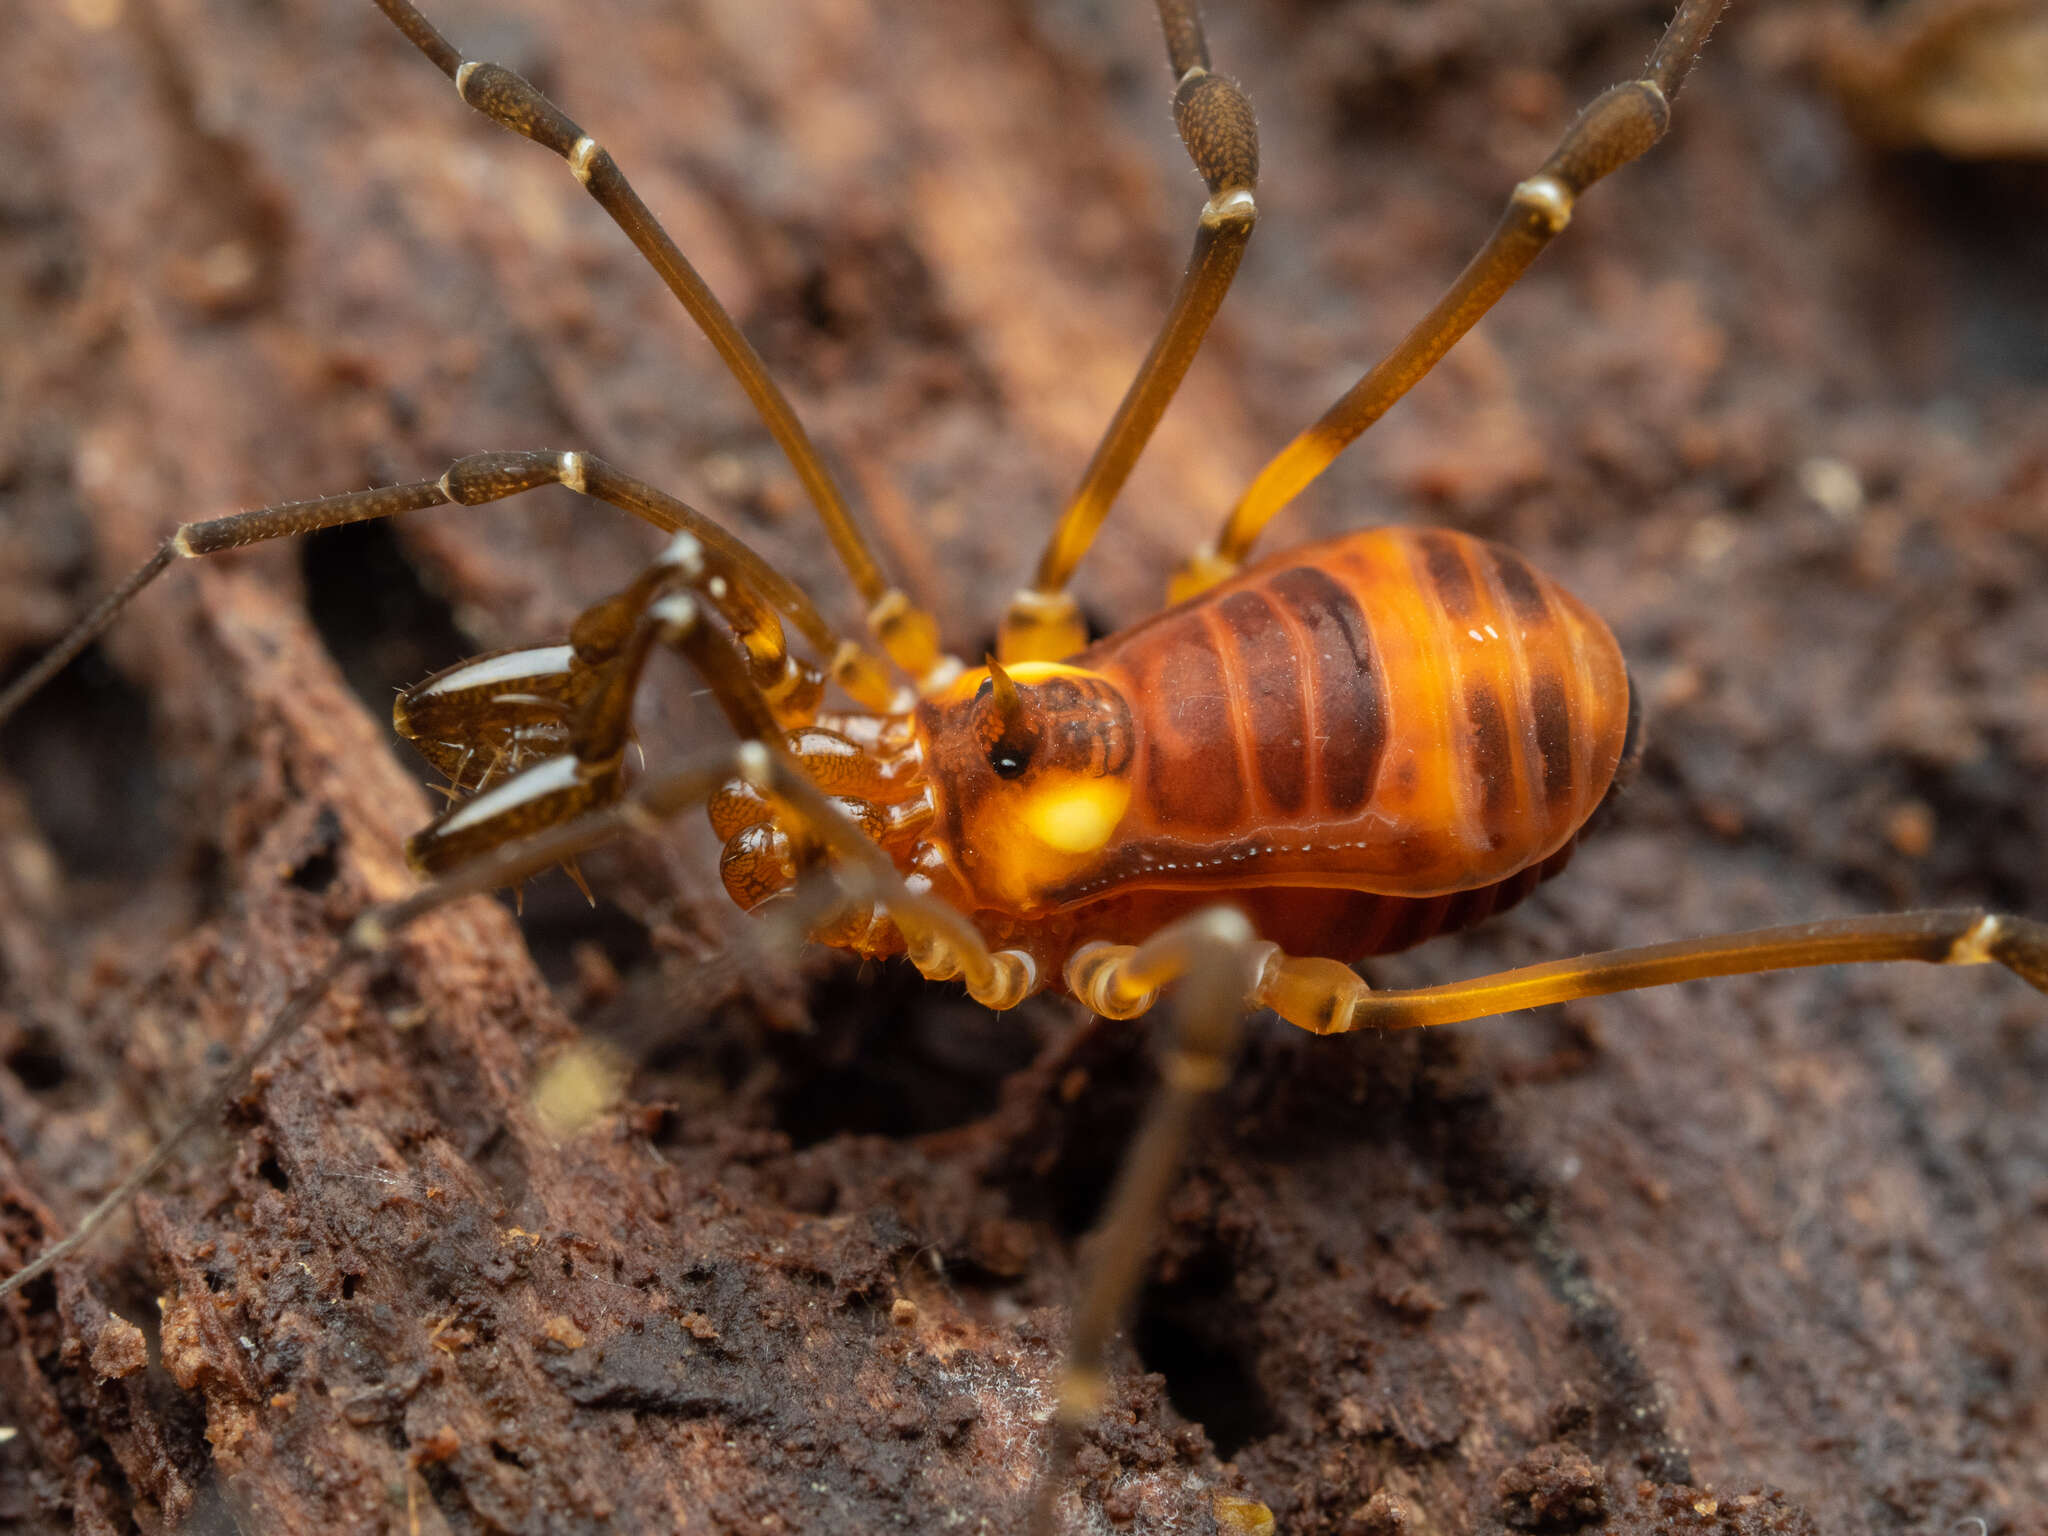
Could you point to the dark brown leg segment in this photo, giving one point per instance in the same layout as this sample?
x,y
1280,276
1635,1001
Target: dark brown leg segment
x,y
472,481
1216,124
908,633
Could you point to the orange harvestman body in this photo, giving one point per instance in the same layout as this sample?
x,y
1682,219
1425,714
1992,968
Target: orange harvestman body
x,y
1342,751
1360,744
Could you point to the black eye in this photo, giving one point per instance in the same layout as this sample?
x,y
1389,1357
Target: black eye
x,y
1009,762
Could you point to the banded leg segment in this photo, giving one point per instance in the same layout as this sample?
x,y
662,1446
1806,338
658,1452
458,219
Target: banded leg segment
x,y
1226,969
1616,127
747,589
1215,119
908,633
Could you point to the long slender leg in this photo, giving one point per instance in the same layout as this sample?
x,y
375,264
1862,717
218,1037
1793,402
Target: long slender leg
x,y
1216,959
908,633
473,480
1327,998
1222,138
194,539
1225,969
1620,124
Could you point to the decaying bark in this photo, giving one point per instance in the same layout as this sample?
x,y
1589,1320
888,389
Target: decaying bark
x,y
1765,1255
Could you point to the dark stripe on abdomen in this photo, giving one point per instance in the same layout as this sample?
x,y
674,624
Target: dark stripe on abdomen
x,y
1274,712
1522,588
1445,561
1493,761
1192,771
1553,718
1344,684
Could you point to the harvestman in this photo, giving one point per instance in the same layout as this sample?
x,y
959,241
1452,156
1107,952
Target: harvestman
x,y
838,821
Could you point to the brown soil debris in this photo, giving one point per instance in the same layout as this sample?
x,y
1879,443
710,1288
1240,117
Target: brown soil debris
x,y
1553,1488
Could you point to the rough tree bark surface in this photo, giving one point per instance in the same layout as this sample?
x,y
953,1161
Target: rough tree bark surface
x,y
1760,1255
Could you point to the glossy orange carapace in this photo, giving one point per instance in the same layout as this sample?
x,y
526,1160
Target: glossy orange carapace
x,y
1361,743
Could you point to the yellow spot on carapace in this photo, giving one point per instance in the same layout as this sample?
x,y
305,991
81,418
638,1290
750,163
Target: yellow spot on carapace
x,y
1077,817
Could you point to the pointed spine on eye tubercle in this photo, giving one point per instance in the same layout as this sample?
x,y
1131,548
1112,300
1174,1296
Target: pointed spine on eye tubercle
x,y
1008,700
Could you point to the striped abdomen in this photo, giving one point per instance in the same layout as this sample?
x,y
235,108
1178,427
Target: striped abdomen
x,y
1412,712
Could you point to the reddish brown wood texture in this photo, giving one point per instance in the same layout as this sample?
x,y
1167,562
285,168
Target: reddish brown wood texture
x,y
1776,407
